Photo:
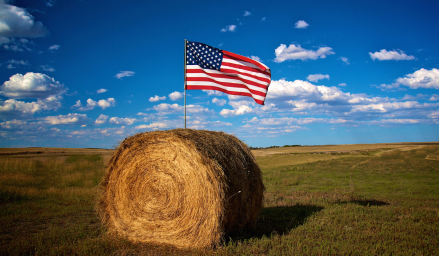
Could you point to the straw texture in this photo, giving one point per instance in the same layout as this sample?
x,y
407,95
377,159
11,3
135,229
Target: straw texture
x,y
180,187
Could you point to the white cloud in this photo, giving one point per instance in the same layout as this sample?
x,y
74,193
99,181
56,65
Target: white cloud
x,y
17,62
107,103
176,96
102,119
102,90
317,77
122,121
157,125
31,85
91,104
301,24
54,47
17,22
263,19
165,109
156,98
219,102
342,84
231,28
124,74
345,60
66,119
390,55
434,97
299,89
256,58
240,108
212,92
421,78
47,68
247,13
294,52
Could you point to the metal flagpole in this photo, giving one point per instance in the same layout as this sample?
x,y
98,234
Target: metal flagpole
x,y
185,53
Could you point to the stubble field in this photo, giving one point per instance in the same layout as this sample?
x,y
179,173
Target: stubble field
x,y
372,199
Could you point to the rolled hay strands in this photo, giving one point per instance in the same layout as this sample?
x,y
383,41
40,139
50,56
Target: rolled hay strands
x,y
181,187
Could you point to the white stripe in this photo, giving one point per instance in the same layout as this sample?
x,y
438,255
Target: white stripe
x,y
241,62
229,80
245,63
231,89
245,71
213,71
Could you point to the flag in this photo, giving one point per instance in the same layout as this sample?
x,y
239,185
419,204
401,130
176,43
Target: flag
x,y
209,68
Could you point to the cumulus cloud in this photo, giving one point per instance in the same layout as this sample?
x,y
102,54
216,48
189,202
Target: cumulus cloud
x,y
66,119
31,85
17,22
122,121
102,119
158,125
102,90
176,96
390,55
256,58
345,60
219,102
156,98
317,77
247,13
342,84
296,52
421,78
122,74
165,108
229,28
91,104
434,97
301,24
212,92
54,47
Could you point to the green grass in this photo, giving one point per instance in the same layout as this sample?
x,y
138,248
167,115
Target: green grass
x,y
379,203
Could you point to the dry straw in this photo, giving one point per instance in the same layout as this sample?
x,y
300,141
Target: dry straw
x,y
182,187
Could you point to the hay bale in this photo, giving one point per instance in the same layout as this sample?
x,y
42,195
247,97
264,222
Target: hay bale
x,y
180,187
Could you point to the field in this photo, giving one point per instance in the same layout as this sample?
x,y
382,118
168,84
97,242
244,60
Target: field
x,y
377,199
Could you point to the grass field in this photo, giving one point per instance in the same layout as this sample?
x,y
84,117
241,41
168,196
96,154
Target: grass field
x,y
341,200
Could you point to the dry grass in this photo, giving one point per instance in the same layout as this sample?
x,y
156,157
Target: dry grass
x,y
382,203
181,187
348,148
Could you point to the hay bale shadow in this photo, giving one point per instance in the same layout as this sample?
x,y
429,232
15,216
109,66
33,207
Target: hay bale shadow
x,y
364,202
275,220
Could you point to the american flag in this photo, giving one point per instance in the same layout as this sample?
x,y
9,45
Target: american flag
x,y
209,68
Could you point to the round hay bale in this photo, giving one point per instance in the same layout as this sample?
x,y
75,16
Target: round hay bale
x,y
182,187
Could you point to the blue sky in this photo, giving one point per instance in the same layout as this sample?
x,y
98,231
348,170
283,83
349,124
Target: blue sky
x,y
90,73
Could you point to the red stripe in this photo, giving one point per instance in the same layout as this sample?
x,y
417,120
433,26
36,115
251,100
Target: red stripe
x,y
240,57
232,85
203,87
233,71
243,67
227,76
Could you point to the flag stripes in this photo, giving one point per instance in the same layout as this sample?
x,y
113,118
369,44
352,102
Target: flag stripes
x,y
237,75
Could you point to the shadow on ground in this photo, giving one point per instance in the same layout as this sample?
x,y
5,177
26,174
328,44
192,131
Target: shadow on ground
x,y
367,202
275,220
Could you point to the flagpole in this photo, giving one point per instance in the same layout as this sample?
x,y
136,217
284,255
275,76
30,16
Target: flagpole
x,y
185,53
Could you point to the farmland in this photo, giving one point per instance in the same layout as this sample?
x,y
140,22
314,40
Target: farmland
x,y
319,200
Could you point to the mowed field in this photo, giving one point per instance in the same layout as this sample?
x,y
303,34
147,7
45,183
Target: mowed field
x,y
371,199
